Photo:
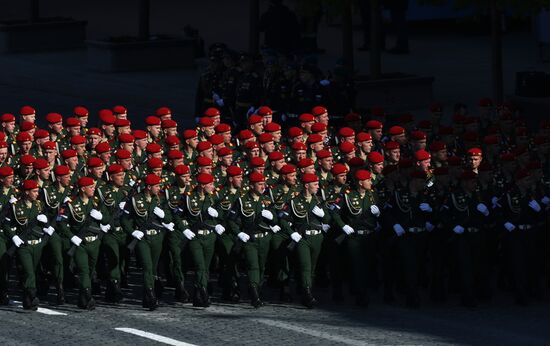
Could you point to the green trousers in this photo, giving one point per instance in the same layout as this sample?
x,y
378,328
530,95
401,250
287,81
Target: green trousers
x,y
114,245
55,251
29,259
361,252
256,251
279,255
174,242
202,250
308,250
4,260
148,251
228,259
85,259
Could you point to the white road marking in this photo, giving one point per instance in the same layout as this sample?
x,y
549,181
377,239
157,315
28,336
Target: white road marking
x,y
311,332
41,310
155,337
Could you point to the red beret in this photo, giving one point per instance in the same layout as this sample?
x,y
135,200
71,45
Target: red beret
x,y
94,131
163,111
125,138
102,147
346,147
356,162
27,110
152,179
205,178
30,184
123,154
204,145
375,157
139,134
362,174
474,152
68,153
80,111
71,122
152,120
256,177
62,170
119,110
346,132
363,137
305,162
396,130
122,122
106,117
225,151
257,162
422,155
287,169
323,154
306,118
49,145
373,125
272,127
251,145
309,178
168,123
115,169
216,139
418,135
233,171
7,118
276,156
221,128
314,138
154,162
23,137
181,170
438,146
206,122
318,127
212,112
172,140
187,134
3,144
85,181
40,164
296,146
264,110
27,126
27,160
245,134
39,133
76,140
95,162
6,171
254,119
391,145
174,154
339,168
203,161
265,138
295,132
319,110
153,148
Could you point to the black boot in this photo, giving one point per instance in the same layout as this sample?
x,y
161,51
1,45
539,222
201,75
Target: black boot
x,y
255,297
60,294
307,298
181,294
4,299
82,302
85,299
159,288
205,297
150,300
285,295
30,301
197,299
113,293
96,285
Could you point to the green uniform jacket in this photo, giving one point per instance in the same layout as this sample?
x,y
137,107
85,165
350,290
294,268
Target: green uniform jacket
x,y
139,210
300,216
75,215
246,215
354,210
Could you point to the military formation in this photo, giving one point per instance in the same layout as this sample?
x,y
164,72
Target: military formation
x,y
386,203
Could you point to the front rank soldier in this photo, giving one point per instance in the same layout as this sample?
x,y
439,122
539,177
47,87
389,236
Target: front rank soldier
x,y
356,216
145,221
7,198
26,226
83,221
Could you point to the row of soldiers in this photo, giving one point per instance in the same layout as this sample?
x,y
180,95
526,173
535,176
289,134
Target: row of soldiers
x,y
404,206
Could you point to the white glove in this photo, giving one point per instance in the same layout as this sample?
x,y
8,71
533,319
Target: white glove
x,y
188,234
105,228
482,208
458,229
159,212
318,211
121,205
48,230
212,212
13,200
132,183
267,214
545,200
324,82
374,210
347,229
76,240
42,218
17,241
296,236
243,237
169,226
96,214
398,229
429,226
219,229
425,207
325,226
534,205
220,102
137,234
495,203
509,226
275,228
